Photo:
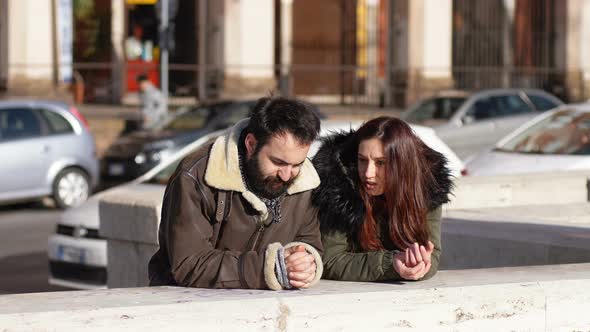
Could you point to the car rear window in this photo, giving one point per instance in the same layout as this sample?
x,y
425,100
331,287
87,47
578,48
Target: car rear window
x,y
542,103
566,132
57,123
498,106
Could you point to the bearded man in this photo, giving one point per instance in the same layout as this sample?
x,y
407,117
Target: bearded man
x,y
237,213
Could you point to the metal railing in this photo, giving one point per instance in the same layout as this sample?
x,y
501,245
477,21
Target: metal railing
x,y
346,85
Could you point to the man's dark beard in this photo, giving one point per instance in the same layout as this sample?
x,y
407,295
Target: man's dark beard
x,y
261,185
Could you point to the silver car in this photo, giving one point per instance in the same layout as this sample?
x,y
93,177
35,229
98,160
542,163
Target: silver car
x,y
47,150
470,123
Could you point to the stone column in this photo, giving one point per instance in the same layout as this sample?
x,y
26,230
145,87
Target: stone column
x,y
30,44
3,43
118,55
574,79
249,43
421,49
286,83
585,48
437,44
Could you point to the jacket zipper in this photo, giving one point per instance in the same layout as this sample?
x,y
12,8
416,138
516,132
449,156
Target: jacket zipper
x,y
253,245
257,237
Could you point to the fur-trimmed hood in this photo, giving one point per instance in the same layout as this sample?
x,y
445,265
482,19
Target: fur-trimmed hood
x,y
340,205
223,169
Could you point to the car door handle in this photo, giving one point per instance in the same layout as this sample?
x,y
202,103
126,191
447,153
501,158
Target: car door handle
x,y
46,149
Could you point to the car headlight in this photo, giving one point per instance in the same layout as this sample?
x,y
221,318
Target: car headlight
x,y
151,156
140,158
155,156
159,155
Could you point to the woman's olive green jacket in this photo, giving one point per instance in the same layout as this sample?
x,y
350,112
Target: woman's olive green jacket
x,y
341,213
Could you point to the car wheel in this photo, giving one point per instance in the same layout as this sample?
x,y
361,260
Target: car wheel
x,y
70,188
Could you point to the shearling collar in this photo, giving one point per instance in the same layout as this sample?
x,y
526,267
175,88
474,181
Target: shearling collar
x,y
340,206
223,169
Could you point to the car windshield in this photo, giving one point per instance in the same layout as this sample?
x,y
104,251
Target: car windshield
x,y
439,108
190,120
566,132
163,176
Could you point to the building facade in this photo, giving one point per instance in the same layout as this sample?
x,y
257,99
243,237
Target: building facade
x,y
377,52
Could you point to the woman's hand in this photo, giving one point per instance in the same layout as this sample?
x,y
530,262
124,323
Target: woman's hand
x,y
418,253
414,262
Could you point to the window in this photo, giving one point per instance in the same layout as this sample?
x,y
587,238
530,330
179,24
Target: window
x,y
427,109
17,123
510,105
498,106
440,108
482,109
57,123
446,107
542,103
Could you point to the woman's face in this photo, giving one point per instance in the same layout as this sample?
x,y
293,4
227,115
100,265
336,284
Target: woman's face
x,y
371,166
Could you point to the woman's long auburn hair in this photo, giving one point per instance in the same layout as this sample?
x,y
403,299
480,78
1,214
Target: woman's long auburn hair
x,y
407,173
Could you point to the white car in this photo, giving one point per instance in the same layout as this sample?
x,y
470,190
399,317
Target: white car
x,y
78,255
558,140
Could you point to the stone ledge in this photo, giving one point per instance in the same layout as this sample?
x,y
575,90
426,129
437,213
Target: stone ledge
x,y
129,215
533,298
473,192
472,238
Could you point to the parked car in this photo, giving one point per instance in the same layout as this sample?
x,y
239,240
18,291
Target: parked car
x,y
46,150
78,255
558,140
470,123
132,155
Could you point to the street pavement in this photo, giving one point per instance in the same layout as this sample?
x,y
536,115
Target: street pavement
x,y
24,229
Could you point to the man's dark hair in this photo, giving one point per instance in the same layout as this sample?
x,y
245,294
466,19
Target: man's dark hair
x,y
141,77
279,115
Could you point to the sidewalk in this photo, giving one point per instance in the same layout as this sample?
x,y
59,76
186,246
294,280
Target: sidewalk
x,y
109,111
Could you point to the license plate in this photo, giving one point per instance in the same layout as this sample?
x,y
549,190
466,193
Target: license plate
x,y
116,169
71,254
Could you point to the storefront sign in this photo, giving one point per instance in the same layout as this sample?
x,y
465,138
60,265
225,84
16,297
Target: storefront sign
x,y
141,2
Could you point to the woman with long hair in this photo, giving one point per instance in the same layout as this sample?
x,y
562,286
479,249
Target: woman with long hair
x,y
380,203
